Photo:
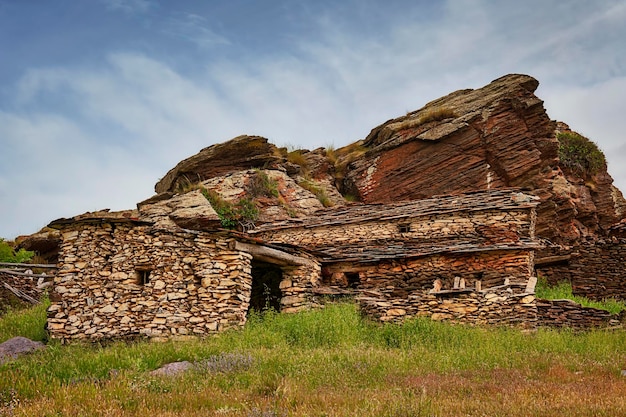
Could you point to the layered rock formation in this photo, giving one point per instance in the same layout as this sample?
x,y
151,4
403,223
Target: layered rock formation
x,y
492,137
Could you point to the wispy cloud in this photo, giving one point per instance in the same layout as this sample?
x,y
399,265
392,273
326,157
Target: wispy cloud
x,y
195,29
128,6
114,127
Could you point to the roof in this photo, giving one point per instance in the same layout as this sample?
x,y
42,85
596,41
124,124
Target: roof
x,y
99,217
377,251
508,199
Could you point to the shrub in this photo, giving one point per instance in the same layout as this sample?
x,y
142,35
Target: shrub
x,y
231,214
318,191
297,157
262,185
431,115
8,253
580,154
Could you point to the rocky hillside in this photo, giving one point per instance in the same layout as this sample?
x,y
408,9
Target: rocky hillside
x,y
493,137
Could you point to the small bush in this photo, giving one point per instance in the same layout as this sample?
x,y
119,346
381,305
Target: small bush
x,y
432,115
580,154
231,214
297,157
8,253
261,185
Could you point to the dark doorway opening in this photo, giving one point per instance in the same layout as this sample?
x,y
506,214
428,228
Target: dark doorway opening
x,y
265,292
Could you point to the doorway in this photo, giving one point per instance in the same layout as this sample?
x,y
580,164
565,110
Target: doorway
x,y
265,292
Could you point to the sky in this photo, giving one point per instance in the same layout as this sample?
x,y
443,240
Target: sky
x,y
100,98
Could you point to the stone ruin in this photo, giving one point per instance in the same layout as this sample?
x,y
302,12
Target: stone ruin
x,y
459,206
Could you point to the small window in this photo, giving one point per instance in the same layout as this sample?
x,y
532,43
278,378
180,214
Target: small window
x,y
143,275
353,278
404,228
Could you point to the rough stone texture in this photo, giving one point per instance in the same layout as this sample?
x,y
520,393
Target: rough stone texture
x,y
502,305
567,313
596,269
129,279
195,284
493,137
239,154
190,210
17,346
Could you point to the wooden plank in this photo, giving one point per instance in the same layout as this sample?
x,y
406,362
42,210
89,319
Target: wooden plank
x,y
552,260
16,265
24,274
21,294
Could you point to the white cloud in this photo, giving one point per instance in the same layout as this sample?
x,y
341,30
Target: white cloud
x,y
194,28
128,6
118,126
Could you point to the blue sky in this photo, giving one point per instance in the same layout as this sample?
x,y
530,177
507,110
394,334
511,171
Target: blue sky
x,y
100,98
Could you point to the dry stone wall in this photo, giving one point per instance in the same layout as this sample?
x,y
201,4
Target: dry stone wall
x,y
123,280
567,313
398,278
599,270
502,305
495,226
596,269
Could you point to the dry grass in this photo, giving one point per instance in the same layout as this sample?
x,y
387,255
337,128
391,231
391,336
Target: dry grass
x,y
431,115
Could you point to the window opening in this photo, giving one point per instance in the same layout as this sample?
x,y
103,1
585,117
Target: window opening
x,y
143,275
404,228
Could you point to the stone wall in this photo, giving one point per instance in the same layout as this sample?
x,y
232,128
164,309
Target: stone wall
x,y
127,280
124,280
599,270
567,313
495,226
596,269
502,305
492,268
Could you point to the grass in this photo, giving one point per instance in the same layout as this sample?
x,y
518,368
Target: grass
x,y
580,154
328,362
261,185
231,214
563,290
318,191
430,115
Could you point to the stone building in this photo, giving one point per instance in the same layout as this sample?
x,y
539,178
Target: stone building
x,y
465,258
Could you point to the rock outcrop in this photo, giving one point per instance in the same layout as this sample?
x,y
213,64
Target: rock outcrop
x,y
493,137
497,136
239,154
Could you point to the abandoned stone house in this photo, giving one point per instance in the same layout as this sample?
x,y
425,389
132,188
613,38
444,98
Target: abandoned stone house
x,y
465,258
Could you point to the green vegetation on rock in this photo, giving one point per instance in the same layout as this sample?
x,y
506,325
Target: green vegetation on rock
x,y
580,154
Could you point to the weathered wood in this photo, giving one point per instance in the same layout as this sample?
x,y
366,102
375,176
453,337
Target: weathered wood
x,y
24,274
21,294
552,260
17,265
275,256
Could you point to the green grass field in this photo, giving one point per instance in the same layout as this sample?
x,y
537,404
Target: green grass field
x,y
327,362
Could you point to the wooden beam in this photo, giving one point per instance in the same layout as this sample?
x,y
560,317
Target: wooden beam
x,y
552,260
271,255
24,274
51,266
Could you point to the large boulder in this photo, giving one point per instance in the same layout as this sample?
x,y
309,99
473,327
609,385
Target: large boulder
x,y
492,137
238,154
